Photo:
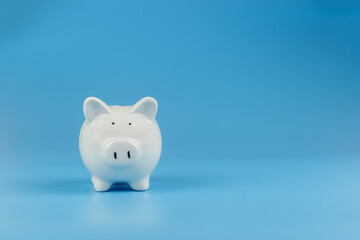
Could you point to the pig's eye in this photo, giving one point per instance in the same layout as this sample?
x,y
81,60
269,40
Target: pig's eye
x,y
129,123
112,123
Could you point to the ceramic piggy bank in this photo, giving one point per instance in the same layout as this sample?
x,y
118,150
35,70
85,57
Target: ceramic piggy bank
x,y
120,144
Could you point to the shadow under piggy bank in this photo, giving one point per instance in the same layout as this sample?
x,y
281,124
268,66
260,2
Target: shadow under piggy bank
x,y
83,186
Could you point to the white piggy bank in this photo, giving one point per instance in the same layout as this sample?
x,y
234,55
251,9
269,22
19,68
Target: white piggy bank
x,y
120,144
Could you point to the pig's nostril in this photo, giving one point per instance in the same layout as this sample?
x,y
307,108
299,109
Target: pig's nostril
x,y
129,154
115,155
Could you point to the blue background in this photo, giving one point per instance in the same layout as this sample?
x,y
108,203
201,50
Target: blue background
x,y
259,108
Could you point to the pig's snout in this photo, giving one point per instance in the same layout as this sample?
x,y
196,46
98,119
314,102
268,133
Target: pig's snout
x,y
121,151
128,154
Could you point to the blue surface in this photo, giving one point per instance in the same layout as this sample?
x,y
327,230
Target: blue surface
x,y
259,108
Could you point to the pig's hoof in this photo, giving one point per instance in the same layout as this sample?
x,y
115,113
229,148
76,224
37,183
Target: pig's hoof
x,y
101,185
140,185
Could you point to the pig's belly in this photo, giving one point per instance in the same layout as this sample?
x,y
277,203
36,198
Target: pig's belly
x,y
119,175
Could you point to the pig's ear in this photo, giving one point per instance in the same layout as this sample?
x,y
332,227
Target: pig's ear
x,y
147,106
93,107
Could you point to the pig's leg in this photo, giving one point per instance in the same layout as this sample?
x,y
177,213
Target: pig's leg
x,y
100,185
141,185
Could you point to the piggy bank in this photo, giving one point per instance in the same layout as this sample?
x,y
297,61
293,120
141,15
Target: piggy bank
x,y
120,144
